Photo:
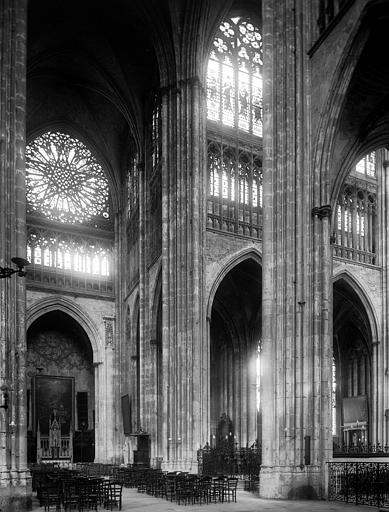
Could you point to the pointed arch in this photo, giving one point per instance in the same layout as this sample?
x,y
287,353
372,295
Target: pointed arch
x,y
234,331
330,119
357,287
67,306
246,254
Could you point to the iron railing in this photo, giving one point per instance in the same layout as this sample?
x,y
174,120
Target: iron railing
x,y
359,483
230,460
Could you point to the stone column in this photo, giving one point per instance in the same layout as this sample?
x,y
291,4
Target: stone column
x,y
296,345
99,415
183,310
15,492
109,413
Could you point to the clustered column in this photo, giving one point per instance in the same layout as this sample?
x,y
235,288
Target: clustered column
x,y
296,348
182,280
15,490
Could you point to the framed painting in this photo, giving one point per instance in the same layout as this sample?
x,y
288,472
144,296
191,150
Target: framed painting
x,y
53,398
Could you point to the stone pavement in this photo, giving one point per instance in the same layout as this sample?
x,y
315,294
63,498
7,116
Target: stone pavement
x,y
246,502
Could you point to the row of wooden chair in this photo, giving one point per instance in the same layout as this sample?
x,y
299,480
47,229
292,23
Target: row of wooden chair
x,y
185,488
80,494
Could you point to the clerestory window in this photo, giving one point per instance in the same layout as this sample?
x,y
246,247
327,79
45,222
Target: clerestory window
x,y
234,113
355,230
234,78
68,211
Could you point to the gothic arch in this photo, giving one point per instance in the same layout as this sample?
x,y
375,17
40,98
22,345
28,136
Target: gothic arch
x,y
246,254
234,330
67,306
363,296
322,158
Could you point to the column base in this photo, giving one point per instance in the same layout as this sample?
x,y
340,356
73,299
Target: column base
x,y
292,482
191,466
15,491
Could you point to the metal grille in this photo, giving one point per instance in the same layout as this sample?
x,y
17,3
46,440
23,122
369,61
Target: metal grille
x,y
230,460
360,483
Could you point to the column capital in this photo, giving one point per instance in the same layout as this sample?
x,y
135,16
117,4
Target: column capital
x,y
322,211
181,83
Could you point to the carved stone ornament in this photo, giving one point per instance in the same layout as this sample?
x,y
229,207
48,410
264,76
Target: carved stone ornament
x,y
109,330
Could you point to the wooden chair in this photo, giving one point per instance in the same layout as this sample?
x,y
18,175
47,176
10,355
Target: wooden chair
x,y
114,498
203,490
229,489
89,494
71,497
51,497
217,486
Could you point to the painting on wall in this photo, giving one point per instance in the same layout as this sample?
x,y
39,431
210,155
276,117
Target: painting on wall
x,y
53,398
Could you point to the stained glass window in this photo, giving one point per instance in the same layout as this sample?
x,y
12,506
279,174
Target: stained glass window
x,y
234,112
64,180
133,186
366,166
156,142
68,252
234,77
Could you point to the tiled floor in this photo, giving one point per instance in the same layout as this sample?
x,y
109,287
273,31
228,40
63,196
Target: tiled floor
x,y
246,502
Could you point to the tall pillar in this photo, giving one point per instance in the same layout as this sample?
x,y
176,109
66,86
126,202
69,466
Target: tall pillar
x,y
15,491
383,223
183,312
296,345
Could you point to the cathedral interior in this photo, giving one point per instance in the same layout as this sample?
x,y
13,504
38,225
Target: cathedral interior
x,y
194,236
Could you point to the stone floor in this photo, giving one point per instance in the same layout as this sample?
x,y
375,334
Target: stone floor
x,y
246,502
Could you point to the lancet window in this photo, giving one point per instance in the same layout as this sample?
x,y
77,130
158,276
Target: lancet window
x,y
133,186
355,233
155,184
68,213
156,142
133,176
234,79
234,112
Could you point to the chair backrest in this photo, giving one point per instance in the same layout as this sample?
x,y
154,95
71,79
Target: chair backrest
x,y
116,489
232,482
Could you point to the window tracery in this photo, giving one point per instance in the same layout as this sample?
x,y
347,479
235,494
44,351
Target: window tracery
x,y
67,199
68,252
234,78
355,236
235,190
64,181
366,165
133,185
156,143
234,111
